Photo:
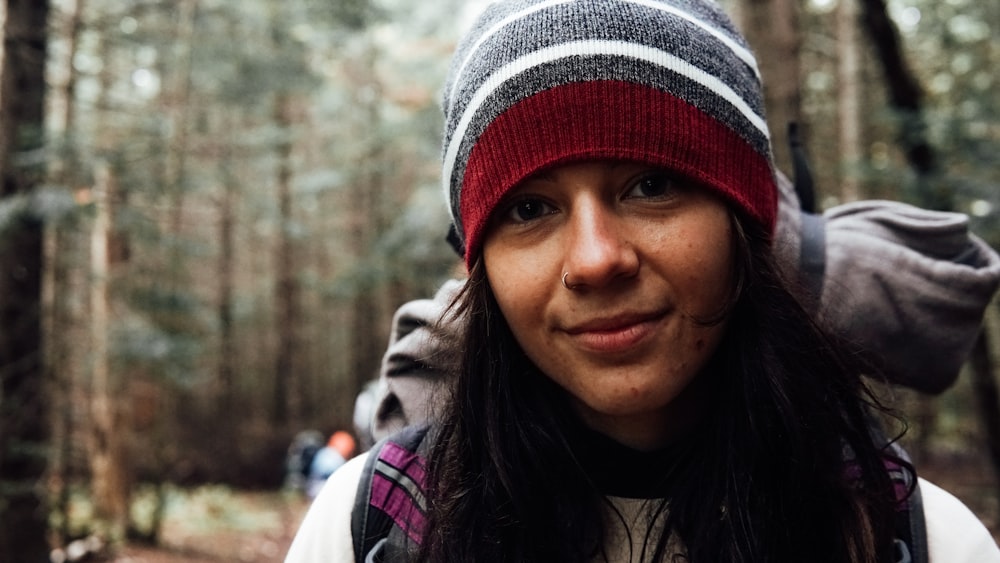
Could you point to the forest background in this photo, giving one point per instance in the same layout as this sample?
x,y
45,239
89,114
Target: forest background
x,y
210,210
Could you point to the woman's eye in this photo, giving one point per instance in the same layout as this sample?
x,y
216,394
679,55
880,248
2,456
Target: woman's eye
x,y
527,210
652,186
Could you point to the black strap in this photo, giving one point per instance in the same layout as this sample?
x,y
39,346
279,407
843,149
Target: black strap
x,y
812,226
919,551
360,512
812,253
910,526
804,187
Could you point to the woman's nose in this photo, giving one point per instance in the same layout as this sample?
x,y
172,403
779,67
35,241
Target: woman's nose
x,y
598,249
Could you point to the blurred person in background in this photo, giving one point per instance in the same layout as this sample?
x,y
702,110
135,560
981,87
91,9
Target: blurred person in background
x,y
331,457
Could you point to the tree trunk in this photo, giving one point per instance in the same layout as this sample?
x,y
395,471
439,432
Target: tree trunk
x,y
24,422
224,390
772,29
61,281
984,387
109,474
288,378
848,97
66,278
906,97
65,169
177,108
226,376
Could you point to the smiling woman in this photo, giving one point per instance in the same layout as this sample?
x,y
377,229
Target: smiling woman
x,y
637,383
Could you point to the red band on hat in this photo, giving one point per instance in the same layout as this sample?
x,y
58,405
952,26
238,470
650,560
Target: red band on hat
x,y
611,120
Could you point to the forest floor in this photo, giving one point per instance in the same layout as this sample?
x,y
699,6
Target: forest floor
x,y
224,525
216,524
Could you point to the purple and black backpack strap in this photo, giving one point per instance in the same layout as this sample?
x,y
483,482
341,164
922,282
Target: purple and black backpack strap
x,y
390,510
911,528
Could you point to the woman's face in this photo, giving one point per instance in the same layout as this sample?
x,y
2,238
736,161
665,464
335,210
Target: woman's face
x,y
647,257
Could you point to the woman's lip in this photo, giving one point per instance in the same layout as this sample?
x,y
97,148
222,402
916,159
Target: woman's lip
x,y
614,334
612,323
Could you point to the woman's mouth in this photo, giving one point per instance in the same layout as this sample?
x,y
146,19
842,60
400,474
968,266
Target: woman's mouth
x,y
617,334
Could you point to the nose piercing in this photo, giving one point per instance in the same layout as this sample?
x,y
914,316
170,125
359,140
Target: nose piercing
x,y
566,285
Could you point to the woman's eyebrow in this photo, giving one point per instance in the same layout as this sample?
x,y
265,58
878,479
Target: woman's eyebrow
x,y
549,175
543,175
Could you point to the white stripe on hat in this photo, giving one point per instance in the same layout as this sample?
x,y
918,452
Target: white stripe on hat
x,y
744,55
588,47
739,50
493,31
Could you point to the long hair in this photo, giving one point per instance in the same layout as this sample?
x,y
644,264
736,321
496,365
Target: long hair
x,y
783,468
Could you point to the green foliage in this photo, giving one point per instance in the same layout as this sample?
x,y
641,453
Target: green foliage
x,y
958,53
953,51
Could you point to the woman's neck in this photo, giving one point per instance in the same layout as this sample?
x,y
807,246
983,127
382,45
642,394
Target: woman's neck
x,y
654,430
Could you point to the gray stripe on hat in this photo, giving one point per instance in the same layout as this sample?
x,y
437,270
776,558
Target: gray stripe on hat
x,y
613,21
724,37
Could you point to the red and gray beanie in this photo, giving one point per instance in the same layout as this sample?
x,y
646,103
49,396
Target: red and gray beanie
x,y
537,83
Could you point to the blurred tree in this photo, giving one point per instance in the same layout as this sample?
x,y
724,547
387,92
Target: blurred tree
x,y
773,30
65,277
848,100
288,392
24,424
906,97
225,393
110,475
987,394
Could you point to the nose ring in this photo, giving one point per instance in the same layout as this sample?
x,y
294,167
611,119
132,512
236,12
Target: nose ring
x,y
566,285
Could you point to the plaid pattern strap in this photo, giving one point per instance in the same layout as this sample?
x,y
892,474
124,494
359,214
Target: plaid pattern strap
x,y
390,504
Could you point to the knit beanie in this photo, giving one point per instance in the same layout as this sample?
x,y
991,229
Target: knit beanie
x,y
539,83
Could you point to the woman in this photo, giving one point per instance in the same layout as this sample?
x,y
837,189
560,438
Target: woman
x,y
638,384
